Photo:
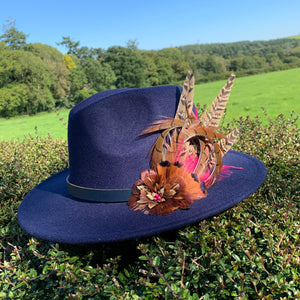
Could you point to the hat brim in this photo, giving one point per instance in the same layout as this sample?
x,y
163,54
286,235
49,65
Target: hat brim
x,y
49,212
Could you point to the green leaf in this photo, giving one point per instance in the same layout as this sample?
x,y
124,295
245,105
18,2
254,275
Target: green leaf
x,y
156,260
143,257
122,277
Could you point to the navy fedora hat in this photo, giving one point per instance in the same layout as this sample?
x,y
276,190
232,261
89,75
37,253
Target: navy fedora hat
x,y
87,203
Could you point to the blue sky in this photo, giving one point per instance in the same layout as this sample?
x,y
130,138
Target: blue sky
x,y
153,24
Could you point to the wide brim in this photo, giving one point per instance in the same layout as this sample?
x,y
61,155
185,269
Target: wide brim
x,y
48,212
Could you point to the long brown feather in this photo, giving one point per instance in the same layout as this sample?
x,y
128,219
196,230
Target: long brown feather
x,y
213,116
197,129
230,140
162,125
186,103
160,147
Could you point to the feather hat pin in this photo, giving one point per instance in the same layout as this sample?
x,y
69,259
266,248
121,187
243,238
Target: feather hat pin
x,y
186,159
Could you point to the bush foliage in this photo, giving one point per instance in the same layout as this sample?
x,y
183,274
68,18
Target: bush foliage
x,y
248,252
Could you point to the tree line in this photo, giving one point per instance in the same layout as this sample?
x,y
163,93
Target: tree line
x,y
35,76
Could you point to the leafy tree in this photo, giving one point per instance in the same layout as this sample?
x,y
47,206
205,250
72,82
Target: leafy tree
x,y
85,52
244,48
132,44
13,99
281,55
88,72
2,45
78,81
177,62
57,71
295,52
23,67
150,71
81,52
236,64
248,63
164,70
214,64
100,76
45,52
292,60
128,66
71,45
69,62
253,62
13,38
83,94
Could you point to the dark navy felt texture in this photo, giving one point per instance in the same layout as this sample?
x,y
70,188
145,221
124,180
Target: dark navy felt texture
x,y
106,153
105,149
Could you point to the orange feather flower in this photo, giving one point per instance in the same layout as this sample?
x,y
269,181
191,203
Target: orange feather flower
x,y
168,188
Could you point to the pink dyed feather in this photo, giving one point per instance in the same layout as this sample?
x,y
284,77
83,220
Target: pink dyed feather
x,y
205,176
190,163
196,114
179,151
226,171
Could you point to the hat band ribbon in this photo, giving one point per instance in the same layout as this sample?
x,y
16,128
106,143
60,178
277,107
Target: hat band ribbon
x,y
98,195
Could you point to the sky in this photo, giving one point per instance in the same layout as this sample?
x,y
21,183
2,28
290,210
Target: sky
x,y
153,24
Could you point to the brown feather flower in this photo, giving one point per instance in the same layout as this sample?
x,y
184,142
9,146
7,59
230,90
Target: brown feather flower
x,y
161,191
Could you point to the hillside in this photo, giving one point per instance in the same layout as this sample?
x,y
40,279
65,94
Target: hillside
x,y
277,92
297,37
34,77
243,48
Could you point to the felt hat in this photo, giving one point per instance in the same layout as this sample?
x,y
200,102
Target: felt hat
x,y
88,202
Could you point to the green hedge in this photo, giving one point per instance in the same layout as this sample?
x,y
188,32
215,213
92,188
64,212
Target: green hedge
x,y
251,251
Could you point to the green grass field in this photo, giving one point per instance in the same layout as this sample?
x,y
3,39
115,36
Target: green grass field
x,y
294,37
46,123
277,92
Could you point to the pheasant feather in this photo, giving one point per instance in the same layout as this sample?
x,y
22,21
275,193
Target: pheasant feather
x,y
185,105
186,159
230,140
213,116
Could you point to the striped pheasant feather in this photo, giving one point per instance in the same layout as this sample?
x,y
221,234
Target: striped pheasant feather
x,y
186,159
213,116
230,140
186,103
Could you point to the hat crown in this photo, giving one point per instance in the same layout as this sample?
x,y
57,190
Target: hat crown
x,y
105,149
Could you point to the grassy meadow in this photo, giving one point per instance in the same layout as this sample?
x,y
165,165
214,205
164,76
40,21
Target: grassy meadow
x,y
294,37
276,92
42,124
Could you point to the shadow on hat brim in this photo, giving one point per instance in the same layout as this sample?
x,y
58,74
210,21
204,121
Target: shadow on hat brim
x,y
48,212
